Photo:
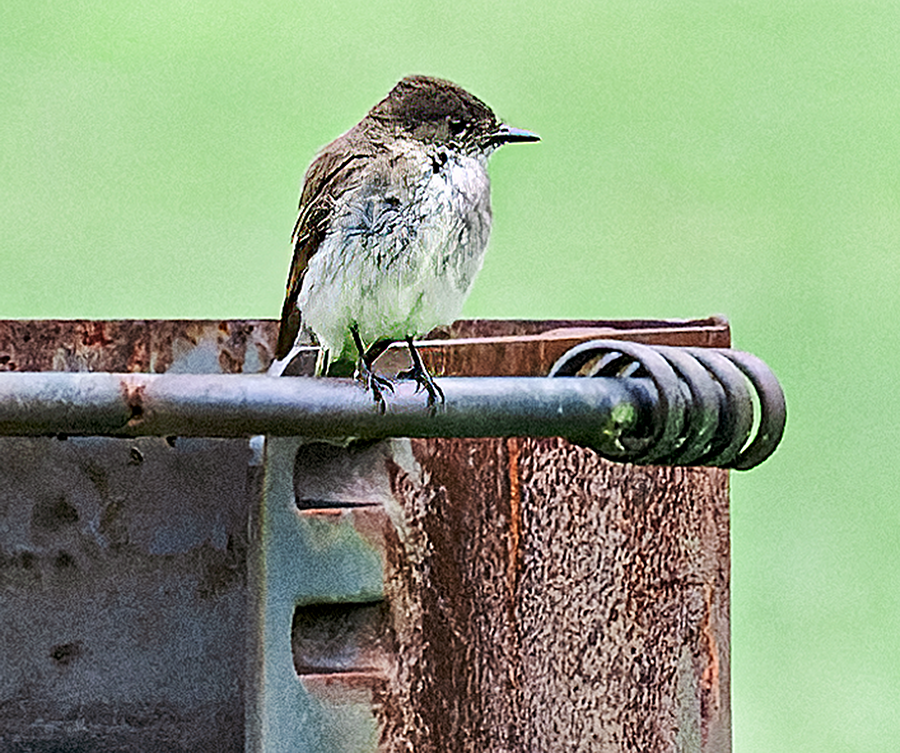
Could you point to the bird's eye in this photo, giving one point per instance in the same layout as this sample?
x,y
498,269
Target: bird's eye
x,y
457,126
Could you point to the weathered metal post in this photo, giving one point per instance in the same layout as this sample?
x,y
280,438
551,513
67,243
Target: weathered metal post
x,y
537,597
293,594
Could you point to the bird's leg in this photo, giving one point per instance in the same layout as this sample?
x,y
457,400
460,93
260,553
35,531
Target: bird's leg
x,y
364,371
420,374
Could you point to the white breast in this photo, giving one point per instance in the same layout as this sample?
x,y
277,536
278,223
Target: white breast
x,y
399,262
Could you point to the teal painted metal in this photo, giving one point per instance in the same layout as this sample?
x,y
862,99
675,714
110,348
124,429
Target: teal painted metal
x,y
304,557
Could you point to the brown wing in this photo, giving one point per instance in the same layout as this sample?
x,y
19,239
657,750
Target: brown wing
x,y
331,173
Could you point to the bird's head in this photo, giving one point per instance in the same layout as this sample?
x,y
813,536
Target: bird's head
x,y
436,111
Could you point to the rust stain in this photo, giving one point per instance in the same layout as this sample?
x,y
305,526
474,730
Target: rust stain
x,y
515,555
94,335
138,353
338,688
486,347
233,347
514,561
709,679
229,363
134,399
515,515
369,521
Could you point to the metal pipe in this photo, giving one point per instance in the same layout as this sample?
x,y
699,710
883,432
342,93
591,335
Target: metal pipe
x,y
628,402
219,405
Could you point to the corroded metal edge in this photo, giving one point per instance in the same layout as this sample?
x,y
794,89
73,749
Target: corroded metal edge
x,y
473,347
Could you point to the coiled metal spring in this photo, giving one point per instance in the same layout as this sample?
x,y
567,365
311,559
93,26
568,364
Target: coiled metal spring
x,y
704,412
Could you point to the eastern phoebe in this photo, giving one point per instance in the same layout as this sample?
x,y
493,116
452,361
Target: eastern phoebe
x,y
394,220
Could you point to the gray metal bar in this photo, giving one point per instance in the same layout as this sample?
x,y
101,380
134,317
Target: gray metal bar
x,y
234,405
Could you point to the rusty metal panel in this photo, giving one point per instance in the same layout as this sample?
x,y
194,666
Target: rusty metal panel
x,y
428,595
453,580
544,599
476,347
491,347
555,601
136,345
124,563
624,604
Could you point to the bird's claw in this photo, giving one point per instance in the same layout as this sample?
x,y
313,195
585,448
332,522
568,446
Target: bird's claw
x,y
374,383
424,381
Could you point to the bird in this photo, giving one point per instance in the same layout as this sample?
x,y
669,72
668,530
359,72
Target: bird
x,y
393,223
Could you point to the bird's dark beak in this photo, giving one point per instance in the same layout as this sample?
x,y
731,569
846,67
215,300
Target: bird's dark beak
x,y
506,134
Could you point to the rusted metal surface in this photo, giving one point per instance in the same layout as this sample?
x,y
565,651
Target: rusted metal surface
x,y
452,577
624,604
529,348
554,601
474,347
136,345
541,598
124,562
408,595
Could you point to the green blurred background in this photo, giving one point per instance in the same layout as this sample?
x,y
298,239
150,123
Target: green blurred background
x,y
697,157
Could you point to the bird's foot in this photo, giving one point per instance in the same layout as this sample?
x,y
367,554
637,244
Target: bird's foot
x,y
424,381
374,383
